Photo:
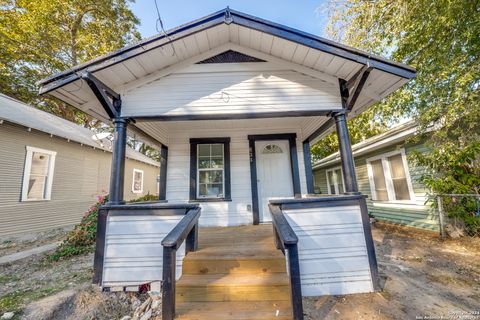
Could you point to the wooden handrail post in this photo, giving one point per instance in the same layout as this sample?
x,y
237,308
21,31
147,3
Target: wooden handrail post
x,y
278,245
192,240
295,285
186,230
168,285
286,240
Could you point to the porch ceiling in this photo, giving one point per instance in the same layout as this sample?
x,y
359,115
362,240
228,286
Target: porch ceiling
x,y
163,130
188,44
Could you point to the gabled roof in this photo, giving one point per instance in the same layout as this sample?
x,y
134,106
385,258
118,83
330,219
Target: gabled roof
x,y
219,32
395,135
17,112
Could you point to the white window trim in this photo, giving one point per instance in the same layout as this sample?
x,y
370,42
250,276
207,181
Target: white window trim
x,y
210,169
337,191
133,181
388,177
28,167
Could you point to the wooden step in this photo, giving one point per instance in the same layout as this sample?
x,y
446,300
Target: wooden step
x,y
233,265
251,310
233,287
237,237
240,252
236,274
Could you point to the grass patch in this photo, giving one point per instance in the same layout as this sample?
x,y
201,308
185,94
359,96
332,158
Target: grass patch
x,y
8,278
11,302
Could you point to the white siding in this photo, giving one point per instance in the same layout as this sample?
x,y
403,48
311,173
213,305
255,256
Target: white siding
x,y
133,249
332,250
222,213
230,89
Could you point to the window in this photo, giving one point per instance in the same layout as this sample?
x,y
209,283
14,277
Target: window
x,y
137,181
335,181
210,169
389,177
38,174
272,148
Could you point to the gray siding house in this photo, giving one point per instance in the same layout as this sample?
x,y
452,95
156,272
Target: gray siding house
x,y
52,170
385,174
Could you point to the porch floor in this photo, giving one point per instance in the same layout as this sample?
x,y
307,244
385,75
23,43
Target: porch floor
x,y
237,273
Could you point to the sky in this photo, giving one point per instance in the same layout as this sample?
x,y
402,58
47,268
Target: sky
x,y
306,15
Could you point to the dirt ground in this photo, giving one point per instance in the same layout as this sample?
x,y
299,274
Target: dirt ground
x,y
12,244
422,278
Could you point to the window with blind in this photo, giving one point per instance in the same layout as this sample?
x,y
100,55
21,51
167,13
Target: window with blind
x,y
210,169
137,181
38,174
389,178
335,181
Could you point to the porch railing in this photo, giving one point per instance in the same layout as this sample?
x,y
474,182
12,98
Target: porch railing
x,y
185,230
286,240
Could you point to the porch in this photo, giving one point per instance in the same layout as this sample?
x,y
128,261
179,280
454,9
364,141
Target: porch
x,y
313,246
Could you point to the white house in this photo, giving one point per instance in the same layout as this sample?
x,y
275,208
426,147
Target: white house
x,y
234,102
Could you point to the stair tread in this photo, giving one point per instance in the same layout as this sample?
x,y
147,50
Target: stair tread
x,y
233,253
211,280
236,310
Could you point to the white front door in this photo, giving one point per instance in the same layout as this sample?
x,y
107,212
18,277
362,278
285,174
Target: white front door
x,y
274,174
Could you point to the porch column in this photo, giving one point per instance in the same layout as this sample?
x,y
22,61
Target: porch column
x,y
162,195
117,176
307,160
345,149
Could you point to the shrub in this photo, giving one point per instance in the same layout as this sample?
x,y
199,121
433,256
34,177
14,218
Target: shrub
x,y
82,238
145,198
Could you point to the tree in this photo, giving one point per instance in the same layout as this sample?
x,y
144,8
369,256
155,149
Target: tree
x,y
442,40
42,37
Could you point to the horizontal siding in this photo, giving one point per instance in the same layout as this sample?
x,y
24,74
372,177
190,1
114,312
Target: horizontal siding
x,y
150,174
221,213
416,214
236,91
80,175
133,249
332,250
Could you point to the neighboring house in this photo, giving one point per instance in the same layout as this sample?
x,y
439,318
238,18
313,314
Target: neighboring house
x,y
236,102
384,173
52,170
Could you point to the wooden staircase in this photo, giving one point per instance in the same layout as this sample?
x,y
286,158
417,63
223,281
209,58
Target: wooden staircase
x,y
237,273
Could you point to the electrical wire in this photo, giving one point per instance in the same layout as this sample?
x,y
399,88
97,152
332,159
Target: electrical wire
x,y
158,23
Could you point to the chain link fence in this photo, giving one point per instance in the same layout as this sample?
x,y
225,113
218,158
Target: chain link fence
x,y
458,213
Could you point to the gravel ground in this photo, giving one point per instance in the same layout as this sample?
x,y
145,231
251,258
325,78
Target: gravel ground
x,y
421,277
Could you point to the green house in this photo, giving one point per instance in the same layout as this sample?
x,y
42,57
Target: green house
x,y
386,174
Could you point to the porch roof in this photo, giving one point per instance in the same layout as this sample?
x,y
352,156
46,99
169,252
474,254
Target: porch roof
x,y
397,134
221,31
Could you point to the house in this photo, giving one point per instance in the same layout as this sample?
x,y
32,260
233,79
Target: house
x,y
52,170
234,102
384,173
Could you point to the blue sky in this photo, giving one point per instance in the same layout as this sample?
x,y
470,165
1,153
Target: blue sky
x,y
300,14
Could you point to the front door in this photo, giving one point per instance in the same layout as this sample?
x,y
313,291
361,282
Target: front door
x,y
274,174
